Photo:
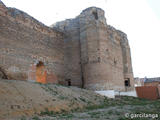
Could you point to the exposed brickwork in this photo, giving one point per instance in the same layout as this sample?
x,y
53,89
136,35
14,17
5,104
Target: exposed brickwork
x,y
104,52
24,41
83,52
72,58
51,78
32,73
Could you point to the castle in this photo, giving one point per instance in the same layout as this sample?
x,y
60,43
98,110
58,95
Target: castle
x,y
83,52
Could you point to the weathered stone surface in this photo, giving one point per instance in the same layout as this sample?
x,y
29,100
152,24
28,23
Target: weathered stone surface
x,y
72,58
102,51
83,52
2,74
24,41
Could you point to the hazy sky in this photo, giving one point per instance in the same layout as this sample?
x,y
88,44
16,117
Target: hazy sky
x,y
139,19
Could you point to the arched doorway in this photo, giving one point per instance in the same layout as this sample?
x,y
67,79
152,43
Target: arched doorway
x,y
41,73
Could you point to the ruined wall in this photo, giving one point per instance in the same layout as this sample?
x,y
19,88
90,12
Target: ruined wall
x,y
72,57
90,22
103,68
127,63
83,52
24,42
104,51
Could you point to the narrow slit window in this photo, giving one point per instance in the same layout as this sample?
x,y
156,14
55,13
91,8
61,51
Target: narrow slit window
x,y
95,15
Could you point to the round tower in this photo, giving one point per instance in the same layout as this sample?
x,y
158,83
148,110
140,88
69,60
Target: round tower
x,y
91,22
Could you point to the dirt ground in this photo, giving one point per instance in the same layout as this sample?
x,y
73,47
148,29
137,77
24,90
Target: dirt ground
x,y
21,100
123,108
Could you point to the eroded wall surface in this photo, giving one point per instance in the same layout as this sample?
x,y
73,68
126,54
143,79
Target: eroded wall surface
x,y
24,42
104,52
72,58
83,52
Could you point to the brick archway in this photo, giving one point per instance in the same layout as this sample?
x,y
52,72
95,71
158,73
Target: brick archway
x,y
41,74
38,73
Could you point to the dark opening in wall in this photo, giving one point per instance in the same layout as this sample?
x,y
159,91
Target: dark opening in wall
x,y
115,61
40,63
95,15
82,81
127,82
68,82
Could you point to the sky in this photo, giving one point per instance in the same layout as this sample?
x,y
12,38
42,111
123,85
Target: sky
x,y
139,19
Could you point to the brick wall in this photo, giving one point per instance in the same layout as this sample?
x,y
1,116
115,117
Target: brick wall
x,y
96,52
87,52
24,41
148,92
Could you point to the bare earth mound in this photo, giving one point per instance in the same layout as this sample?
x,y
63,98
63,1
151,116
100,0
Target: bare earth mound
x,y
19,98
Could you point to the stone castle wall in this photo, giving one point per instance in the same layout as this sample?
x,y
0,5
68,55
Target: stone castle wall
x,y
24,42
104,52
83,52
72,58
